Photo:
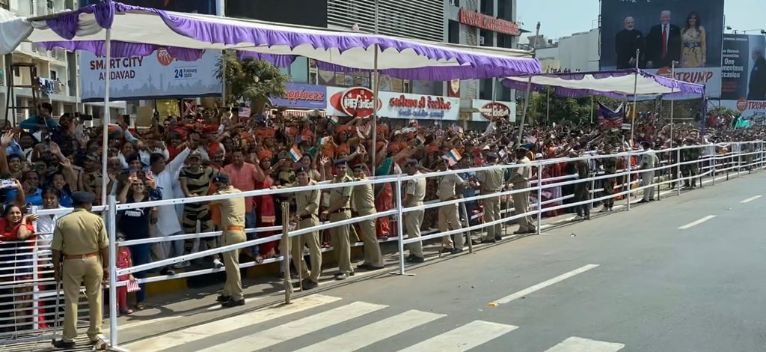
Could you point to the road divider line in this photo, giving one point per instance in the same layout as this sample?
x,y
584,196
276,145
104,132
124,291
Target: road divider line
x,y
696,222
463,338
542,285
579,344
750,199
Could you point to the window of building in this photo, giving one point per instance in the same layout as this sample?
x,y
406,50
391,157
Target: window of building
x,y
485,89
486,38
453,32
5,4
16,71
505,9
488,7
455,2
504,40
54,75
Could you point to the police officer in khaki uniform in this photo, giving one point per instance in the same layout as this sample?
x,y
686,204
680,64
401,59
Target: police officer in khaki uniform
x,y
491,181
339,210
363,204
81,256
307,215
233,227
414,193
520,179
448,214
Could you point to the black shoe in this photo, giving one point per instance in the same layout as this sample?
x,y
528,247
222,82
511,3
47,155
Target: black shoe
x,y
524,232
415,259
498,238
643,201
341,276
223,298
61,344
232,303
488,241
167,271
308,284
456,250
369,267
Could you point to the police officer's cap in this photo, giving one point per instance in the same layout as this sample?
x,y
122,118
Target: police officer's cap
x,y
221,178
83,197
341,162
360,166
492,156
301,170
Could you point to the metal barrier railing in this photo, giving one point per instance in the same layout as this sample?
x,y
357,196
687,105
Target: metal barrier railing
x,y
669,170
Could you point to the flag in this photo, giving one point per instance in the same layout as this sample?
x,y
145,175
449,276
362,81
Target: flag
x,y
295,153
608,118
324,140
453,156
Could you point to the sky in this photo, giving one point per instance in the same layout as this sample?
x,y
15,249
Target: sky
x,y
572,16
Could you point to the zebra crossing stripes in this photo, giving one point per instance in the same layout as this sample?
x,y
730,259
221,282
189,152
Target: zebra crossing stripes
x,y
463,338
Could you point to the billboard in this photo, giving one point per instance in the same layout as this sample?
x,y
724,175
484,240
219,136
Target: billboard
x,y
302,96
359,101
744,67
149,77
688,32
206,7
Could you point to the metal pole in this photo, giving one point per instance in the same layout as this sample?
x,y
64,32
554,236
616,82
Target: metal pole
x,y
286,251
400,223
376,92
635,102
592,103
627,196
107,118
112,231
526,106
678,171
548,107
713,162
540,197
35,288
673,76
220,9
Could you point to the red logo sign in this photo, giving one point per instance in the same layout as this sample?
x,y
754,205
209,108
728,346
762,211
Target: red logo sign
x,y
475,19
164,57
356,101
494,109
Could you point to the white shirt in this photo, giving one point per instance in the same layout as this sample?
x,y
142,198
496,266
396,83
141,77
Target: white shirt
x,y
167,182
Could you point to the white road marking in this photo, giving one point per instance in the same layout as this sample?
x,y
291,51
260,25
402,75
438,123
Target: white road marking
x,y
579,344
544,284
199,332
750,199
372,333
696,222
463,338
296,328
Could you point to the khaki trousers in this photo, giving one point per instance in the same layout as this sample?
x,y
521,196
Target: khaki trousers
x,y
310,240
412,222
341,242
233,285
492,213
76,272
449,220
372,254
521,206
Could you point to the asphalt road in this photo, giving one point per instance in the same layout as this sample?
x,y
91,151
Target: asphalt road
x,y
682,274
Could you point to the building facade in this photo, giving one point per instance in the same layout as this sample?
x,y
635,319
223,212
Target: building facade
x,y
578,52
56,70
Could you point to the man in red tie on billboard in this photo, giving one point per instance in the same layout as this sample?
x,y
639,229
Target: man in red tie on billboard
x,y
663,44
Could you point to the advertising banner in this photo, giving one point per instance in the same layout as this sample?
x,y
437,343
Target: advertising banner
x,y
302,96
359,101
744,67
688,32
149,77
754,110
488,108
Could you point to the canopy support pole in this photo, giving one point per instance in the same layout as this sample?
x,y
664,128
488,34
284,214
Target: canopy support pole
x,y
635,103
376,91
220,9
672,110
592,102
107,118
548,106
524,114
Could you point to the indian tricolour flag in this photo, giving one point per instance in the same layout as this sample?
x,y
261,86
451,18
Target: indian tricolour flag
x,y
295,153
453,156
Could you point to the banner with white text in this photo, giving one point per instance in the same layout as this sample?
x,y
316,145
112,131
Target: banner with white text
x,y
149,77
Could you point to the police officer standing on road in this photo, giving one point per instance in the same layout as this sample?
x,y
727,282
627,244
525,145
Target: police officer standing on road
x,y
520,179
448,214
414,193
339,210
307,215
233,227
80,256
491,181
363,204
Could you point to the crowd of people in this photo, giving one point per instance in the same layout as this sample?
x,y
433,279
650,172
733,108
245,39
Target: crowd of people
x,y
45,160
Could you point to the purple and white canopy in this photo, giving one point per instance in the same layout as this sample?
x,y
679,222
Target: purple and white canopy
x,y
140,31
613,84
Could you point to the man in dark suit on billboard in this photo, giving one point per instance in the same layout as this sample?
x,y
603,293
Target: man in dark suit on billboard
x,y
626,42
757,87
663,44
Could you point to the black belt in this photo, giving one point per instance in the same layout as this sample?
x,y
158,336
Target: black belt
x,y
342,210
304,217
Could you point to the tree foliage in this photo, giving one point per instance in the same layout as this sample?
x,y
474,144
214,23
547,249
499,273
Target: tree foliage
x,y
251,80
